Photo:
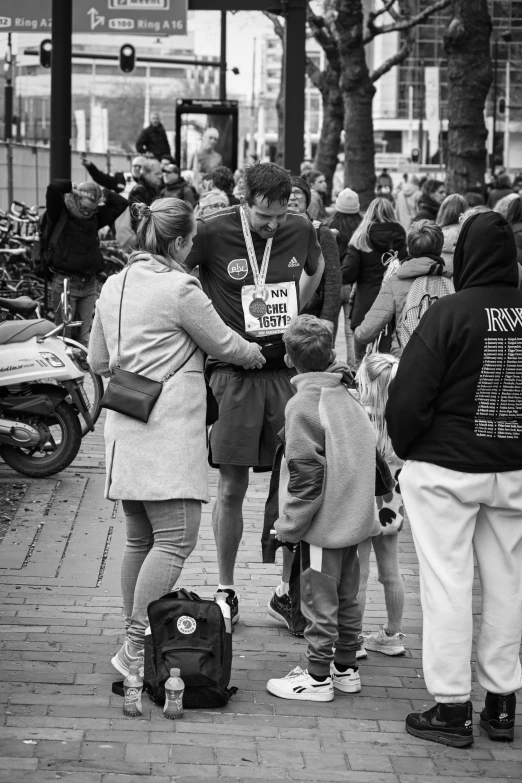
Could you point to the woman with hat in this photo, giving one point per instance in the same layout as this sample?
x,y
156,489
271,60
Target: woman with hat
x,y
345,219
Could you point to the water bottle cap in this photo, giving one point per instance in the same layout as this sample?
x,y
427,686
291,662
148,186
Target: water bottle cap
x,y
175,672
134,668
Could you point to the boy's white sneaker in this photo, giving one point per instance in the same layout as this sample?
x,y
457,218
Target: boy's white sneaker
x,y
379,641
298,684
348,681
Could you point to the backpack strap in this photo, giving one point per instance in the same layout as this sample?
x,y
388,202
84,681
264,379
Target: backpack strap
x,y
57,230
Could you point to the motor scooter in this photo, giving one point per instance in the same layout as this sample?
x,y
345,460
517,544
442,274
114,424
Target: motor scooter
x,y
41,396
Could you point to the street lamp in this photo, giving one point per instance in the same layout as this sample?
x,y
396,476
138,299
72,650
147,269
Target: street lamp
x,y
505,36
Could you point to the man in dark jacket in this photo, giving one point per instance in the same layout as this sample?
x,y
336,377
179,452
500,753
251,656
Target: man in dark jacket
x,y
153,140
114,181
76,252
175,185
455,414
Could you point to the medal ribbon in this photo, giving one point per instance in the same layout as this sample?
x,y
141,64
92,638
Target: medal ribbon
x,y
259,274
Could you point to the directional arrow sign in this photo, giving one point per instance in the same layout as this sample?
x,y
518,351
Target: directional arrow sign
x,y
138,17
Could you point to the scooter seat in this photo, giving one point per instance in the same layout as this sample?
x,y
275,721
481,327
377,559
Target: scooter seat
x,y
20,331
23,305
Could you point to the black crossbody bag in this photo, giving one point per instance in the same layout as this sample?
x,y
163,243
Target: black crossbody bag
x,y
130,393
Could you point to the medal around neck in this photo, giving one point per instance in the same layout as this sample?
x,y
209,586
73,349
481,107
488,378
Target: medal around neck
x,y
258,306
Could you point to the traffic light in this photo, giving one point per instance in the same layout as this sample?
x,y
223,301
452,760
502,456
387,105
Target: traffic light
x,y
415,155
46,49
501,105
127,58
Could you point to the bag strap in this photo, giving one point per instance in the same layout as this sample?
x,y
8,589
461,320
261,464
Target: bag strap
x,y
57,230
118,357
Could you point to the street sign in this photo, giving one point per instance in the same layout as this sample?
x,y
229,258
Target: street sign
x,y
129,17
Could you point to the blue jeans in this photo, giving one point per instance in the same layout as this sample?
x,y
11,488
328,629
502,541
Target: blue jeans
x,y
83,296
161,534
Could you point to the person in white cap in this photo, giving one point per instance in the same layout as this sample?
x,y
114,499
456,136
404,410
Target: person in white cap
x,y
346,217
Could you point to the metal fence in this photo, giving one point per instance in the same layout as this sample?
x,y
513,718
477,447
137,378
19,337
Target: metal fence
x,y
31,171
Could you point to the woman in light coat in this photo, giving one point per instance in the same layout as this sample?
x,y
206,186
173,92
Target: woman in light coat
x,y
159,468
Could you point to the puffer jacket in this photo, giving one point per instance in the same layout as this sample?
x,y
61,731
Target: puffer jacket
x,y
367,269
388,307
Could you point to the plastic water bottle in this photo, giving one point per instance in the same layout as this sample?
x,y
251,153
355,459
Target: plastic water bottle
x,y
220,599
132,687
174,688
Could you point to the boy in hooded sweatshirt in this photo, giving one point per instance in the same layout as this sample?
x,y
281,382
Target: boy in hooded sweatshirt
x,y
454,413
327,502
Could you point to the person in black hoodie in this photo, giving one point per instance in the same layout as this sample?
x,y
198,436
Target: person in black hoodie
x,y
455,414
377,237
77,214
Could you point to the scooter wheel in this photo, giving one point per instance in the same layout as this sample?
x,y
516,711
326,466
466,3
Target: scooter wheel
x,y
56,454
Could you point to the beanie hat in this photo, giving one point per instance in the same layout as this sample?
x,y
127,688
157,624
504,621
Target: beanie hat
x,y
347,202
302,184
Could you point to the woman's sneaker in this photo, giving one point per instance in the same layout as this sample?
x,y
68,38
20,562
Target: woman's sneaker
x,y
498,716
127,655
379,641
302,686
348,681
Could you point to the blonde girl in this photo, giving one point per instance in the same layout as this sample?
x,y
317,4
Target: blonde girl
x,y
373,378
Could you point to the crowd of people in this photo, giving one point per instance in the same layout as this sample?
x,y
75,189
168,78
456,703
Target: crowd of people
x,y
231,298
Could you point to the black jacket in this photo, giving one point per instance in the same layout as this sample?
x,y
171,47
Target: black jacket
x,y
367,269
114,181
141,193
457,398
180,189
153,139
77,250
428,209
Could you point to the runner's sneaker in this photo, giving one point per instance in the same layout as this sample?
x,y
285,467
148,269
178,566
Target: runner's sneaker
x,y
379,641
301,685
127,655
279,608
232,601
498,716
348,681
448,724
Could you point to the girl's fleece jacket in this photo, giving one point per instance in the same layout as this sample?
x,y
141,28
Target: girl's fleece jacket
x,y
327,484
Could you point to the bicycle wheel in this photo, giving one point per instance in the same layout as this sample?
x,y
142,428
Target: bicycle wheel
x,y
92,383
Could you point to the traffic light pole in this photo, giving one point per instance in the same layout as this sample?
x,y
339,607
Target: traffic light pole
x,y
61,98
8,119
223,58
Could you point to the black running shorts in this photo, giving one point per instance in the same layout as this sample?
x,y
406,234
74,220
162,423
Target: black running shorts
x,y
251,413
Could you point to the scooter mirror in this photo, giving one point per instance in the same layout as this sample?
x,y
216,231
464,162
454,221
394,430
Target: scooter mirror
x,y
66,303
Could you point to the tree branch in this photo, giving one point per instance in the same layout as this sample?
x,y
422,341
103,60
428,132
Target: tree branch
x,y
320,31
385,9
395,59
279,28
315,74
405,24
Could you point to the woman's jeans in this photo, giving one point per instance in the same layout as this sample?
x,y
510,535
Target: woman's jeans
x,y
161,534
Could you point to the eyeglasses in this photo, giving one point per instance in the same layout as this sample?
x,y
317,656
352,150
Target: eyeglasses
x,y
297,192
90,196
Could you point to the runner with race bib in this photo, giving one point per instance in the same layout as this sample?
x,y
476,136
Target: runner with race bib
x,y
258,264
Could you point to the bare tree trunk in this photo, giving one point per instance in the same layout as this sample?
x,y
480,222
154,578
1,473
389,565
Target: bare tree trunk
x,y
280,107
469,78
333,115
357,91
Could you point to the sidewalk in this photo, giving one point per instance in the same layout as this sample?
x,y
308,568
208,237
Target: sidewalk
x,y
61,618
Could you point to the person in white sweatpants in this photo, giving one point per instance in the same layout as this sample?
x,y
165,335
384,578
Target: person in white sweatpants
x,y
451,514
454,414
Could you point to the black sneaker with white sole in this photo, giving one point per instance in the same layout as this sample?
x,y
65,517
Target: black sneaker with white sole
x,y
279,608
232,601
449,724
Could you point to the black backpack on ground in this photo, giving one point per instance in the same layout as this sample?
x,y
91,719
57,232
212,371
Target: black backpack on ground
x,y
188,632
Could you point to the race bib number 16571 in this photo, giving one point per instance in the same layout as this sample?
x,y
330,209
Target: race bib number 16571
x,y
281,307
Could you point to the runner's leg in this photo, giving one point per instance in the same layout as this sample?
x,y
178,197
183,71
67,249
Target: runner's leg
x,y
227,518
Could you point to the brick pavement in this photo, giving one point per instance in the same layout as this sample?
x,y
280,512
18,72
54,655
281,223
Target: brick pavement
x,y
61,623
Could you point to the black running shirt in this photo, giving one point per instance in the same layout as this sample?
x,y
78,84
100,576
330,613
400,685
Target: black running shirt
x,y
220,252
